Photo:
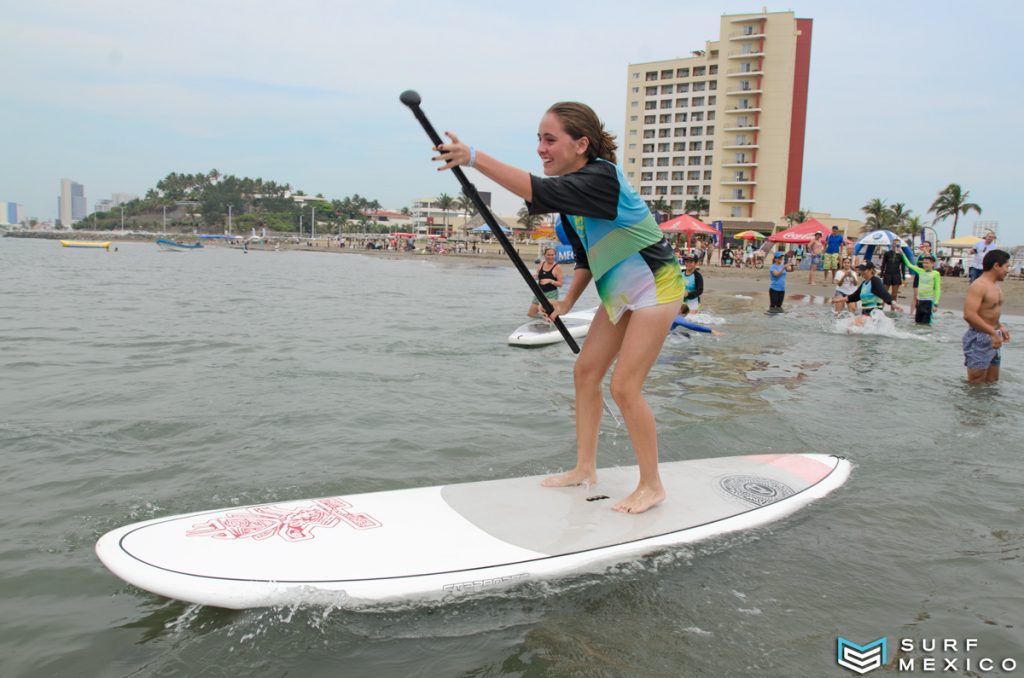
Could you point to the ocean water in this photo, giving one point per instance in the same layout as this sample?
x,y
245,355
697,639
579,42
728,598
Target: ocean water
x,y
139,384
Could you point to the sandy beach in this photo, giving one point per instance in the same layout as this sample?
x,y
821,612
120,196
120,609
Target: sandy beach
x,y
717,279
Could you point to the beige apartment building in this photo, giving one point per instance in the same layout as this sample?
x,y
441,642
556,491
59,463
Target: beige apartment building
x,y
726,124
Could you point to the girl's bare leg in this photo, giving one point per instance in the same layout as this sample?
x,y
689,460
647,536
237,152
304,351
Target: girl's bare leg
x,y
598,352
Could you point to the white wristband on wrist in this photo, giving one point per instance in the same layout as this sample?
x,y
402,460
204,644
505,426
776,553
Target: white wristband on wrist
x,y
472,157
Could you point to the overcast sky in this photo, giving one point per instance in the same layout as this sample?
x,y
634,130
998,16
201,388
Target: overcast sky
x,y
905,96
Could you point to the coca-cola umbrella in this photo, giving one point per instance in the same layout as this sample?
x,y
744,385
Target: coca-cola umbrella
x,y
801,234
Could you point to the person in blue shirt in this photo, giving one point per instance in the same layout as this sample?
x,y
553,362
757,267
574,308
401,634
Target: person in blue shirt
x,y
833,246
777,285
681,321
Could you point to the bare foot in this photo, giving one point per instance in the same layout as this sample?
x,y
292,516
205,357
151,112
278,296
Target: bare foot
x,y
643,498
571,479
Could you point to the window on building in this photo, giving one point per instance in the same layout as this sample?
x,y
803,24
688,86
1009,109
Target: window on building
x,y
682,103
648,134
735,211
695,145
683,88
664,133
679,162
680,117
630,175
699,86
712,101
665,75
651,75
677,176
632,161
698,101
705,190
699,71
645,190
682,72
691,190
711,115
679,146
667,89
665,118
663,162
677,190
709,159
707,175
661,176
646,176
679,132
710,130
713,86
651,91
709,145
693,175
649,119
636,75
666,103
696,131
663,148
632,146
697,117
647,162
713,70
745,86
634,118
661,190
648,148
636,90
694,160
649,105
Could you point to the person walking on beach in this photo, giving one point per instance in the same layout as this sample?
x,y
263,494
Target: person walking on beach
x,y
619,246
830,261
982,309
549,275
980,249
893,270
777,283
814,250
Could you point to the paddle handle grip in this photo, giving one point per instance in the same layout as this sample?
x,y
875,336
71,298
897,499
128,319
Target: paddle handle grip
x,y
412,100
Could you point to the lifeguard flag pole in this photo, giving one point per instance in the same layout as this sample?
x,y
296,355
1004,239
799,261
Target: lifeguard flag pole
x,y
412,99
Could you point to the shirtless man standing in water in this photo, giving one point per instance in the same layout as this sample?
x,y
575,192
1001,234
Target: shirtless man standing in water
x,y
982,309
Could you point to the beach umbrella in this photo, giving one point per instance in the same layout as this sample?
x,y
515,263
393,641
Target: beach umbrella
x,y
686,224
882,237
484,228
749,235
962,243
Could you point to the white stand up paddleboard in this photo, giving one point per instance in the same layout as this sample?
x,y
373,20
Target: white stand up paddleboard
x,y
540,332
435,542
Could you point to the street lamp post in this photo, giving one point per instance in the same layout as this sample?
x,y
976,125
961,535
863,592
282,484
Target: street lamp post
x,y
165,218
312,225
122,218
229,219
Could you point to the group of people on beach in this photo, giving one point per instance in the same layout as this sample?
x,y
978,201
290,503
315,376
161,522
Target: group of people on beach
x,y
618,245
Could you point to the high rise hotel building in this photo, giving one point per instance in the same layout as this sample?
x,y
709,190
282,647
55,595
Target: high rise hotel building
x,y
726,124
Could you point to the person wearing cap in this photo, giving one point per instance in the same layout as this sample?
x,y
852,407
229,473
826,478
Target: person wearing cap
x,y
777,282
833,246
694,282
871,293
814,250
927,287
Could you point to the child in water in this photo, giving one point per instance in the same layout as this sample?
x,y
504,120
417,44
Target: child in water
x,y
777,285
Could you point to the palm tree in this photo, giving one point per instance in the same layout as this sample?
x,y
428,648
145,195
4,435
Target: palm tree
x,y
445,203
952,202
910,227
466,204
662,207
798,217
696,207
878,215
529,221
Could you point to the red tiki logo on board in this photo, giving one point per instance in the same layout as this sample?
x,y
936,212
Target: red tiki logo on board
x,y
291,524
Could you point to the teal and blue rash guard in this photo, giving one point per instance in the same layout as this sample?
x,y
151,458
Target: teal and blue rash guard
x,y
613,234
681,321
871,294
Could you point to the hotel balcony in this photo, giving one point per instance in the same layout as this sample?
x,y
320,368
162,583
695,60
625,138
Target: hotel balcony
x,y
743,35
743,128
741,109
739,91
746,181
746,199
740,74
745,55
748,163
746,145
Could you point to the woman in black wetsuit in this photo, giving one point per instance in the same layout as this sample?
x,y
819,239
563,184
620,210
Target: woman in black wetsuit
x,y
549,275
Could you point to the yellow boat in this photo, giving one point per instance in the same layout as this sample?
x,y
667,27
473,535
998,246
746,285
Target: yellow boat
x,y
85,243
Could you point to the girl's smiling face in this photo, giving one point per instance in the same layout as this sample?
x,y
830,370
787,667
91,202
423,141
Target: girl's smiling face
x,y
558,151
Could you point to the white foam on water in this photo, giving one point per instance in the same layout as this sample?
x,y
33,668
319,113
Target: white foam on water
x,y
875,324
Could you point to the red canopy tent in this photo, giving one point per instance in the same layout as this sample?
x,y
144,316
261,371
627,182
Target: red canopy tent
x,y
688,225
801,234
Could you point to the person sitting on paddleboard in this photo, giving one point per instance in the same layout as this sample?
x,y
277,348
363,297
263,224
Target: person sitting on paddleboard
x,y
549,275
619,246
694,281
871,293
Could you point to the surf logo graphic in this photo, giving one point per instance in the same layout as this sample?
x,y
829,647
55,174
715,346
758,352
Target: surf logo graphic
x,y
292,524
755,489
860,658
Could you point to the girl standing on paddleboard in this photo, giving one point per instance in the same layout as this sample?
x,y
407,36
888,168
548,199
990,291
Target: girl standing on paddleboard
x,y
617,244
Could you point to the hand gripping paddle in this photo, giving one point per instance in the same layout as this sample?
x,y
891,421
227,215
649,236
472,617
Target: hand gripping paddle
x,y
412,100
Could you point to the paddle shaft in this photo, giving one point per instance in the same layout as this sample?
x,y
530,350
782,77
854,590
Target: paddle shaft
x,y
469,189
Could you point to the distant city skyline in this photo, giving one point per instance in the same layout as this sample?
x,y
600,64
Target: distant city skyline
x,y
903,99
